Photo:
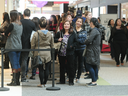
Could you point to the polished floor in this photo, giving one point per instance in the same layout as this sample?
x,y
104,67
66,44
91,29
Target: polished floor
x,y
113,81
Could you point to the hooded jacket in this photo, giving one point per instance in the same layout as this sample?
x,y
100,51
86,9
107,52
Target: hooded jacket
x,y
46,41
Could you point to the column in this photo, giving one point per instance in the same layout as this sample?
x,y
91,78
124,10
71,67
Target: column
x,y
9,5
119,10
61,8
2,10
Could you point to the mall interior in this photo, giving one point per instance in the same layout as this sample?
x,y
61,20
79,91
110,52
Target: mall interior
x,y
113,80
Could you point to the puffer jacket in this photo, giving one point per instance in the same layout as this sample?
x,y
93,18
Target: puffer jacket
x,y
81,37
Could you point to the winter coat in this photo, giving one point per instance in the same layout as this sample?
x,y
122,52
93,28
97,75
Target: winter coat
x,y
46,41
81,37
71,42
93,47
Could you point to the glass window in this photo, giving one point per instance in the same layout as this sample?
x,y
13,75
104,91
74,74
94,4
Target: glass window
x,y
124,11
103,10
95,12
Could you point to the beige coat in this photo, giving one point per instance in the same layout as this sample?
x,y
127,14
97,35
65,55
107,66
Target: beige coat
x,y
46,41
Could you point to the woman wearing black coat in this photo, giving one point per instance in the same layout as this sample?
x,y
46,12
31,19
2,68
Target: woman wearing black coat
x,y
120,38
92,53
67,37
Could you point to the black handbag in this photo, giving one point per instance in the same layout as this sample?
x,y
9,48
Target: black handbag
x,y
36,61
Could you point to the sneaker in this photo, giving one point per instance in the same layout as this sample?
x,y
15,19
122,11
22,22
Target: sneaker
x,y
117,65
71,84
88,77
92,85
88,83
122,64
77,80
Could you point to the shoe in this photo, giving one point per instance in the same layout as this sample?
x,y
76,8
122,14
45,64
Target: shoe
x,y
86,74
13,83
117,65
122,64
88,77
71,84
77,80
67,80
92,85
32,77
88,83
60,83
40,85
24,80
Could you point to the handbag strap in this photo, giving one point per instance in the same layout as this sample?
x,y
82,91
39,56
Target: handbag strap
x,y
38,42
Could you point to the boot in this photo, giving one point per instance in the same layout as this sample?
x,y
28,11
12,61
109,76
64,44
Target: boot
x,y
71,81
13,83
17,78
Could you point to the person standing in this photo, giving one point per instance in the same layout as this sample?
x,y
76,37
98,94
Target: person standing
x,y
81,37
67,37
120,39
3,28
88,16
28,27
108,32
14,33
46,41
92,53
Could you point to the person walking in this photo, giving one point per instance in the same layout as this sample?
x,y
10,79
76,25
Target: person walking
x,y
120,39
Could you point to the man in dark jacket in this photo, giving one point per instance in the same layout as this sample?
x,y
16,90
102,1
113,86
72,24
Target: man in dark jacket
x,y
28,27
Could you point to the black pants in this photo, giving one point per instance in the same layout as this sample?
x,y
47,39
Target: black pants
x,y
23,63
70,69
79,61
119,48
112,50
43,73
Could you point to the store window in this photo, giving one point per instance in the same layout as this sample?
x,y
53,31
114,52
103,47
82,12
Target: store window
x,y
124,11
103,10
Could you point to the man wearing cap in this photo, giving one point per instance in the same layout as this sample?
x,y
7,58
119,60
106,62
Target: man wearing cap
x,y
79,14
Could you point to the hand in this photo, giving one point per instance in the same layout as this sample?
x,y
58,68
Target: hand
x,y
109,44
2,33
60,39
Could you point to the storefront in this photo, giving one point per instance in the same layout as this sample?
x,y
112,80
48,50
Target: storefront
x,y
124,11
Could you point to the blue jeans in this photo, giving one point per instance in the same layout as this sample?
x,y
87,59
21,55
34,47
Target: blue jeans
x,y
14,59
80,60
93,70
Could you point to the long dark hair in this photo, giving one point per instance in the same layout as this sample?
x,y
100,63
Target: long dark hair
x,y
54,17
95,22
122,27
109,22
15,16
70,29
36,21
6,17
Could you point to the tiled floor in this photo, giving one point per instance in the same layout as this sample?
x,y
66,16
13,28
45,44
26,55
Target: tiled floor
x,y
113,81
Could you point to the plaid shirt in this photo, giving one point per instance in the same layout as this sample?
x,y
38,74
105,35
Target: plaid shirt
x,y
87,28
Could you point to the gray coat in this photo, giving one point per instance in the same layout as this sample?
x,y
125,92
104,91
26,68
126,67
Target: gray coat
x,y
93,47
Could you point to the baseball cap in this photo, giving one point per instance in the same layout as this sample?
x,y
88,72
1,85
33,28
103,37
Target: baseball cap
x,y
79,13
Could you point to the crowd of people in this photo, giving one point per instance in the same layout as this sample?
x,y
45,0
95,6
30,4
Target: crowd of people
x,y
79,39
